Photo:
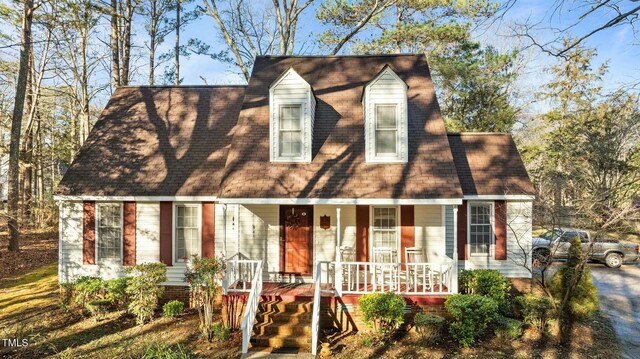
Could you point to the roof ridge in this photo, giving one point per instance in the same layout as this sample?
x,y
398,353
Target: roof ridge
x,y
478,133
180,86
339,56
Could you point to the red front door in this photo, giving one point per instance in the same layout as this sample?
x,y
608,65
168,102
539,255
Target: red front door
x,y
296,239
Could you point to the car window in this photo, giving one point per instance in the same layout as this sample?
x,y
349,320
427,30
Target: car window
x,y
550,235
584,237
568,236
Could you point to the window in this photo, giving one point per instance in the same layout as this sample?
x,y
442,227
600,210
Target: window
x,y
187,238
386,130
385,229
109,241
480,228
290,131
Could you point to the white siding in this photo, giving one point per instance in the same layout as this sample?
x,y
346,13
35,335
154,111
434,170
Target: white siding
x,y
260,236
147,232
430,232
291,88
518,244
70,262
325,240
387,88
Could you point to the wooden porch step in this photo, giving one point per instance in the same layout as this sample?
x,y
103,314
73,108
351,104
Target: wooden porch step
x,y
281,341
284,318
285,307
280,329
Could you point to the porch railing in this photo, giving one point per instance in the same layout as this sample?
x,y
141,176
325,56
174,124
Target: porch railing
x,y
253,301
239,275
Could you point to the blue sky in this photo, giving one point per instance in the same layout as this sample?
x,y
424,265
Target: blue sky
x,y
617,46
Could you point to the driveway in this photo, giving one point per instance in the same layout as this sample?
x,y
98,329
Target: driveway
x,y
619,294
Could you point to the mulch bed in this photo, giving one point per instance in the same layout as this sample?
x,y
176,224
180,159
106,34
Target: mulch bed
x,y
37,248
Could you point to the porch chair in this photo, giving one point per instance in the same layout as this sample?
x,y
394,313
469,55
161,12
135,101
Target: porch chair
x,y
348,254
416,273
385,255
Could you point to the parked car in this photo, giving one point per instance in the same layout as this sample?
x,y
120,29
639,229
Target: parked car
x,y
555,243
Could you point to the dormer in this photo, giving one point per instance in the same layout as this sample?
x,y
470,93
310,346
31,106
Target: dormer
x,y
291,114
385,118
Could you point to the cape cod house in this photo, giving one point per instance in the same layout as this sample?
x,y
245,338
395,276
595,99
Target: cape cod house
x,y
332,174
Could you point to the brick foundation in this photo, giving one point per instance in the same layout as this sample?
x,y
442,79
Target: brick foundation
x,y
521,286
175,292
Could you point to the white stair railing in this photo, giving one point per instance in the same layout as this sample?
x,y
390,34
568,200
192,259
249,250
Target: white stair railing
x,y
315,319
253,301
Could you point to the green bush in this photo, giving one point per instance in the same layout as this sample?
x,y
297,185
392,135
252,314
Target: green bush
x,y
203,275
116,291
99,307
429,326
385,311
583,298
220,332
172,308
487,282
472,314
164,351
144,289
87,289
536,310
508,329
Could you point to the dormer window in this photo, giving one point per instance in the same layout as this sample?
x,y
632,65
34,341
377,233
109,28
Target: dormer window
x,y
292,107
385,116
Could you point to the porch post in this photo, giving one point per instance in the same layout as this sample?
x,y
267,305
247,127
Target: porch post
x,y
338,266
454,271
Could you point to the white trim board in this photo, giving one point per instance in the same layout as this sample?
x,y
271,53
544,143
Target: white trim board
x,y
506,197
345,201
137,198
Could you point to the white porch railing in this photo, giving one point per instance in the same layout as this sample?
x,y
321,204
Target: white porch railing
x,y
315,319
253,301
239,275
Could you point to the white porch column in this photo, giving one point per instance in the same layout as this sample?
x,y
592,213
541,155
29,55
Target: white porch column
x,y
338,265
454,277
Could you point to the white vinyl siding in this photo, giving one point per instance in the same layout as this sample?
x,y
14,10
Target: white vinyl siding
x,y
385,117
109,232
430,232
187,232
480,228
385,227
292,111
147,232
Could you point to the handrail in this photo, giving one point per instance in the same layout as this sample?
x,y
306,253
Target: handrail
x,y
238,274
315,321
253,301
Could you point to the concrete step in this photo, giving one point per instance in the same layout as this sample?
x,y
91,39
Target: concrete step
x,y
280,341
281,329
283,318
282,307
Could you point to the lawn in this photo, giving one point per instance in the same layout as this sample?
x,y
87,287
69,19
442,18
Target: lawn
x,y
29,309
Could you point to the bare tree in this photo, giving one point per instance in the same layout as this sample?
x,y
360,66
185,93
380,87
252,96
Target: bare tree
x,y
16,125
158,27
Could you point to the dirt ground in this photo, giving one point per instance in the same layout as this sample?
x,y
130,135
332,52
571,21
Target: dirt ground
x,y
37,248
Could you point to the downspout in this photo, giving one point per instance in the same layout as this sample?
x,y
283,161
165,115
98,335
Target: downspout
x,y
338,267
224,230
454,271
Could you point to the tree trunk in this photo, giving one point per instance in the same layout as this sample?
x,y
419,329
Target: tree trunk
x,y
177,50
84,88
152,41
126,42
115,40
16,127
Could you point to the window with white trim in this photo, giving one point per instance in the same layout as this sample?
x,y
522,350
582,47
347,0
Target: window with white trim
x,y
480,228
109,231
187,236
290,131
386,130
386,119
385,228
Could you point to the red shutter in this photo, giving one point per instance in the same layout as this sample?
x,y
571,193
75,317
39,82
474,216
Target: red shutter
x,y
500,229
407,231
88,233
362,233
462,231
129,233
166,232
208,230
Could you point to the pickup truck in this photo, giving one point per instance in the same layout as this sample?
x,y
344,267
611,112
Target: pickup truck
x,y
555,243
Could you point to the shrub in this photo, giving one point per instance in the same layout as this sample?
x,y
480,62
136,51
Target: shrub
x,y
66,295
220,332
87,289
173,308
116,291
429,326
99,307
471,314
144,289
583,296
384,310
487,282
164,351
536,310
203,275
508,329
367,341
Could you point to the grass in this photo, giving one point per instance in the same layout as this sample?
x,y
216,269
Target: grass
x,y
29,309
